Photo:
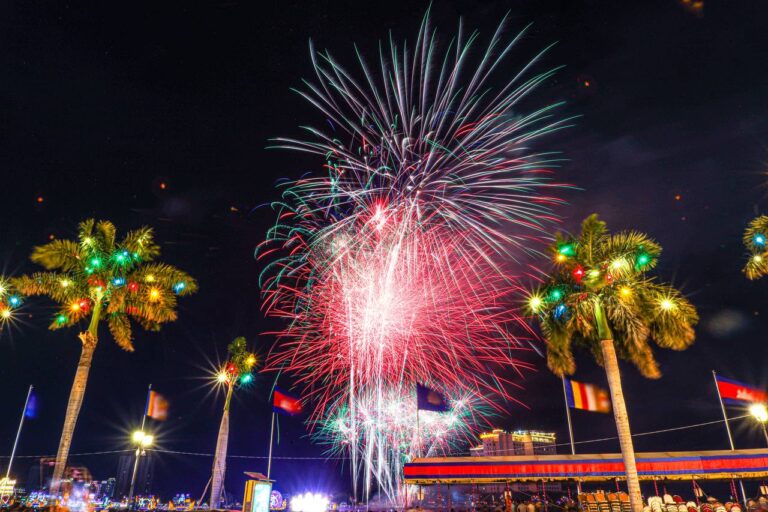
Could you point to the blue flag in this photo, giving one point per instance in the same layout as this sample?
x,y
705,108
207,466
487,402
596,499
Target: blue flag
x,y
428,399
31,410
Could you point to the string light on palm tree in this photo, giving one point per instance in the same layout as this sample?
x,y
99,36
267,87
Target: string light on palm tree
x,y
599,296
236,372
755,237
10,301
98,278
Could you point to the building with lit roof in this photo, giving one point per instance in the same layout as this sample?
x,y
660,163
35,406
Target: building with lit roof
x,y
499,442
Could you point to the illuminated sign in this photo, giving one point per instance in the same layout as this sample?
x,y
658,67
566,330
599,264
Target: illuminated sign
x,y
257,495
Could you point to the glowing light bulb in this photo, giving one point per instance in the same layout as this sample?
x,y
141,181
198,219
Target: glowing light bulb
x,y
555,294
619,264
625,291
251,360
150,278
643,259
534,303
757,258
95,262
566,250
65,283
666,304
2,289
6,313
561,258
75,307
245,379
594,273
178,287
222,377
154,294
759,239
760,412
118,281
61,319
14,300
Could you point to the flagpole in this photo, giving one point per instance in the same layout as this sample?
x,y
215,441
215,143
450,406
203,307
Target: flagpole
x,y
418,431
271,440
18,432
138,448
570,428
728,429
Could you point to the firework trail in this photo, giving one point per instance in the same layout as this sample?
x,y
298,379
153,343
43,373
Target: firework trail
x,y
393,267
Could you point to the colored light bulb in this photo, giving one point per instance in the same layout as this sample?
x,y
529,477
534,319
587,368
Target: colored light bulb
x,y
245,379
566,250
759,240
178,287
61,319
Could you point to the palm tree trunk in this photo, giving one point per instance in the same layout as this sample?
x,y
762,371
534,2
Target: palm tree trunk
x,y
220,459
89,340
622,423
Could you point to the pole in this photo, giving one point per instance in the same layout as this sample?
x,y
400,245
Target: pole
x,y
728,429
138,449
271,438
765,433
18,432
570,429
418,432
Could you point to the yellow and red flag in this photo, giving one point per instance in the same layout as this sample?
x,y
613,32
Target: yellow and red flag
x,y
157,406
586,396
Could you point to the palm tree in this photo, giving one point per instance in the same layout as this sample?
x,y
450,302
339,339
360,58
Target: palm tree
x,y
755,240
98,278
237,372
599,298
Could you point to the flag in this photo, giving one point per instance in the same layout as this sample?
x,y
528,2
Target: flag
x,y
284,403
586,396
31,409
157,406
735,392
428,399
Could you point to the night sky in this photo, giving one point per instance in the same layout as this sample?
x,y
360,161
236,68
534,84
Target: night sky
x,y
101,104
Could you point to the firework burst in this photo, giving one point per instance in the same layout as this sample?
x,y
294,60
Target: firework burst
x,y
393,267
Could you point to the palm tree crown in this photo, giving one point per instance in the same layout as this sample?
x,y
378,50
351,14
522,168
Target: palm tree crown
x,y
598,287
117,279
755,240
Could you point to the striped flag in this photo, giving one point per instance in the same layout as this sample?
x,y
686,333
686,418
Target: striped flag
x,y
734,392
157,406
586,396
285,403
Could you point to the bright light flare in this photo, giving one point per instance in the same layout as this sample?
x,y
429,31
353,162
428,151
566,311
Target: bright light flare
x,y
759,412
310,502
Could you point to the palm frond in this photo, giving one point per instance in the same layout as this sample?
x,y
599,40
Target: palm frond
x,y
107,232
594,233
560,358
61,255
141,242
120,328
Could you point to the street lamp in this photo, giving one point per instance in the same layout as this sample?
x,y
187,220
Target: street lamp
x,y
142,440
760,413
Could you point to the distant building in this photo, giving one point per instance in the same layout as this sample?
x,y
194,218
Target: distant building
x,y
107,488
499,442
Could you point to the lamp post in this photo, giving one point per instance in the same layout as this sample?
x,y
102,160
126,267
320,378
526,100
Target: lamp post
x,y
142,440
760,413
